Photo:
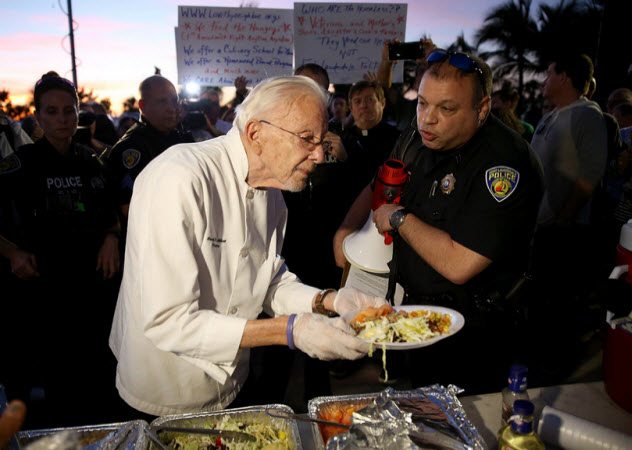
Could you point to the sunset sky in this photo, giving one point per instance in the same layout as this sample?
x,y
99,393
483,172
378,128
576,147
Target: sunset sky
x,y
118,43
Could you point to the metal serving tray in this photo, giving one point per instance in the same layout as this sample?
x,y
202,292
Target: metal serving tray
x,y
129,435
246,414
443,411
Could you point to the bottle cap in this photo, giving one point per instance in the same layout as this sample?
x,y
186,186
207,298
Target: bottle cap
x,y
523,407
518,377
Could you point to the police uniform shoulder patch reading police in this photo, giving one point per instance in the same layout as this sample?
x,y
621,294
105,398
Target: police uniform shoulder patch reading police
x,y
501,181
130,158
9,164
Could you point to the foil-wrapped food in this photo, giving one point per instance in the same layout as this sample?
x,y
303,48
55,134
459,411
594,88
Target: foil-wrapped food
x,y
269,433
134,435
427,417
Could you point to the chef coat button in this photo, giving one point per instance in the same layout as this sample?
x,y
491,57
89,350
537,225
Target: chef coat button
x,y
244,252
233,310
250,194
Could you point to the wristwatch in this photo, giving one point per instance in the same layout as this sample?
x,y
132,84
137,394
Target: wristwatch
x,y
319,307
397,218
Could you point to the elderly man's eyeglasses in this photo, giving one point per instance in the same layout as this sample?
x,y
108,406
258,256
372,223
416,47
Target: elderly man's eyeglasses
x,y
461,61
312,141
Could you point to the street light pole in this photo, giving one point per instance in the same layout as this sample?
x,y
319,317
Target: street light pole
x,y
72,45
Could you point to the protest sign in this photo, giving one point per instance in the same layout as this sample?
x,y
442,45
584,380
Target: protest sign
x,y
216,45
347,38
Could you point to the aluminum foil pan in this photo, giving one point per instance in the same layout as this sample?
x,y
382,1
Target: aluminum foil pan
x,y
249,414
432,408
125,435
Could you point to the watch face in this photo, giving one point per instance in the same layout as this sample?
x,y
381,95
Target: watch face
x,y
396,219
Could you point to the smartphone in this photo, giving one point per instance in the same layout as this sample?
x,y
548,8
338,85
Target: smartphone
x,y
405,50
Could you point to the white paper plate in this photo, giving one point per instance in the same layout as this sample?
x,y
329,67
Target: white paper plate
x,y
456,324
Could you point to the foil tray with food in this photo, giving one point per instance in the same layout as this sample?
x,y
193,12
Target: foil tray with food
x,y
225,428
431,414
124,435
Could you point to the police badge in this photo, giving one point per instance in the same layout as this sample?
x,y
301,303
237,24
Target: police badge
x,y
501,182
130,158
447,184
9,164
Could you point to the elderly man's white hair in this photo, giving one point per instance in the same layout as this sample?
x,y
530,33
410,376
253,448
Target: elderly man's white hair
x,y
275,93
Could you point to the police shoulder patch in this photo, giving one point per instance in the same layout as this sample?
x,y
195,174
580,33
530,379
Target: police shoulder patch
x,y
130,158
501,181
10,164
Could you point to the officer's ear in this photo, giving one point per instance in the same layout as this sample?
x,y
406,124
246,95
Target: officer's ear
x,y
253,136
483,109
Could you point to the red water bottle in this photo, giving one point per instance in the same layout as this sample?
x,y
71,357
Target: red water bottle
x,y
389,184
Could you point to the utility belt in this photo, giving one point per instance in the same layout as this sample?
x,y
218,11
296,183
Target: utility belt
x,y
481,307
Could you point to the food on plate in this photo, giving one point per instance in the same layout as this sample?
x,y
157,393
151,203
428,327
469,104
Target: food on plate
x,y
268,437
386,325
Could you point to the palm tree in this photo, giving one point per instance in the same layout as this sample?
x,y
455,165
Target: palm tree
x,y
513,31
570,25
461,45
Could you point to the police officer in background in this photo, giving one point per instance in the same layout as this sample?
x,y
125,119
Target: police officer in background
x,y
156,131
59,233
464,227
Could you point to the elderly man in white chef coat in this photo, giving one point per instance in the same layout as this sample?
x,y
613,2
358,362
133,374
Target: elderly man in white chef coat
x,y
202,261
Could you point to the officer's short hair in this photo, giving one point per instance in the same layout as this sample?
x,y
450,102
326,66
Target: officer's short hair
x,y
273,93
148,84
483,78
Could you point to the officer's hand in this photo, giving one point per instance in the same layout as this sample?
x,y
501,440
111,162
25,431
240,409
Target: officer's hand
x,y
336,147
23,264
382,216
108,258
326,338
350,299
11,420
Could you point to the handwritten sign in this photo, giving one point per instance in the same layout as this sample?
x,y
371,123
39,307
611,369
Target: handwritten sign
x,y
347,38
216,45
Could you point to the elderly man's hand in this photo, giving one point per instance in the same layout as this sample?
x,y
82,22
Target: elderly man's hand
x,y
325,338
350,299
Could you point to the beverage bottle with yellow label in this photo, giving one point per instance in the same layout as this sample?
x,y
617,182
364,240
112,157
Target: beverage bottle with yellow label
x,y
519,434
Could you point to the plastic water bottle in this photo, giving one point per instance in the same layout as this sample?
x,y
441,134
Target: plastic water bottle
x,y
519,434
516,390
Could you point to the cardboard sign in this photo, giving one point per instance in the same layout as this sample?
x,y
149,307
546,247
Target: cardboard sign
x,y
216,45
347,38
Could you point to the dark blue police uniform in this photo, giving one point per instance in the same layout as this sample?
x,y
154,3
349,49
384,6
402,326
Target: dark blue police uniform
x,y
59,208
138,146
485,195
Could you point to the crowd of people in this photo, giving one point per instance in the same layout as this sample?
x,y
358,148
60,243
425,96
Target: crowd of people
x,y
185,279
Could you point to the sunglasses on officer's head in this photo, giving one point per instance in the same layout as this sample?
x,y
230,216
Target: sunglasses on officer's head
x,y
461,61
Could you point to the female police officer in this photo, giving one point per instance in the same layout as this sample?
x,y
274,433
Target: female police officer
x,y
58,230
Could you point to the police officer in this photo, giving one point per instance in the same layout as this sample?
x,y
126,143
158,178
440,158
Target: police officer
x,y
156,131
465,223
59,233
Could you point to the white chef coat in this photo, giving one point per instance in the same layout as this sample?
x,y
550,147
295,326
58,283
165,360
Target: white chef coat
x,y
202,257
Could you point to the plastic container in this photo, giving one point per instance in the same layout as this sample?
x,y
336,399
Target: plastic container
x,y
617,364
